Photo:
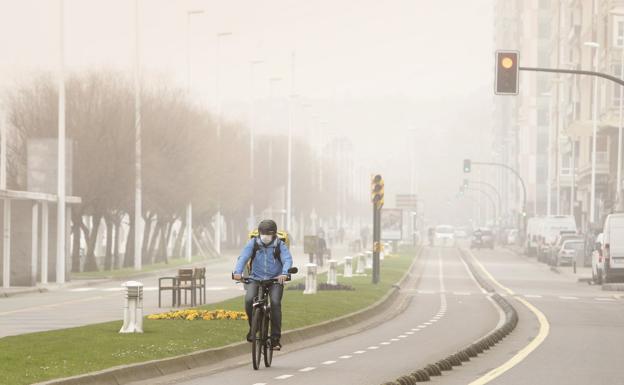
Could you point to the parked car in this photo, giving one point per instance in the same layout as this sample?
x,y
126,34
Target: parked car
x,y
530,244
612,251
461,233
569,251
444,235
550,228
553,253
482,237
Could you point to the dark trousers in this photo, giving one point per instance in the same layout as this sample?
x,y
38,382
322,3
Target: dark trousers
x,y
275,292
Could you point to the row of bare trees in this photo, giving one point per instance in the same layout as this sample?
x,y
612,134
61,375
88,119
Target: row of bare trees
x,y
182,162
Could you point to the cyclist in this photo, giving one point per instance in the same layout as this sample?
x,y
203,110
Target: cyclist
x,y
266,265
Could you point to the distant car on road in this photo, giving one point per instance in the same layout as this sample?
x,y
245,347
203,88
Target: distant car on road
x,y
444,235
482,237
556,247
569,251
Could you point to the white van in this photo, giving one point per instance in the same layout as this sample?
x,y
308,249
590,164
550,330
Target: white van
x,y
613,249
550,228
530,244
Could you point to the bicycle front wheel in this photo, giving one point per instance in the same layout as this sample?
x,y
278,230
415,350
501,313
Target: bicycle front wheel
x,y
266,335
256,338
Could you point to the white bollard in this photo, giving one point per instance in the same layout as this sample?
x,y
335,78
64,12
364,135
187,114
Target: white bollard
x,y
348,267
310,284
360,264
133,308
369,259
332,278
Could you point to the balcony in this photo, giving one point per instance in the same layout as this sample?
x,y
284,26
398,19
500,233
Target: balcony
x,y
602,166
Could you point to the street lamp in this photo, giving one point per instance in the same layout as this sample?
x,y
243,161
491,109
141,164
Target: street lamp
x,y
549,153
252,136
272,83
217,239
592,203
189,208
138,202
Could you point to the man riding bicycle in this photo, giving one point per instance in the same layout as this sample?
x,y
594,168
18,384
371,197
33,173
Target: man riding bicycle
x,y
266,264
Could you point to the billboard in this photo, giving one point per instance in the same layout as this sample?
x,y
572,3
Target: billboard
x,y
391,224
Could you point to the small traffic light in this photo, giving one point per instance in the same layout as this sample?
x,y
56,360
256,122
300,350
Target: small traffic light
x,y
377,191
506,77
467,165
465,183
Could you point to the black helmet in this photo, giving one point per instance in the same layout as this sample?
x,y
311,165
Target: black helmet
x,y
267,226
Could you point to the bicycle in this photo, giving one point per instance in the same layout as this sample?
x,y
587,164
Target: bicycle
x,y
261,322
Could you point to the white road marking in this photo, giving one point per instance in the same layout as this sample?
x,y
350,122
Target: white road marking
x,y
415,329
372,347
433,320
360,351
532,296
283,376
260,383
567,297
345,357
329,362
427,323
410,333
604,299
394,339
544,329
461,293
402,336
384,343
82,289
426,292
309,368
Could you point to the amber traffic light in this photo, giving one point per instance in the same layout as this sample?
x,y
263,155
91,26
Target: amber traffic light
x,y
506,73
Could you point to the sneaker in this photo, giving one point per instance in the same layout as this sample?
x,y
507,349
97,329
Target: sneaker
x,y
249,339
275,344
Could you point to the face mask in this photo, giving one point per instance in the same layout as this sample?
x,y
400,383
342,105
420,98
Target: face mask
x,y
266,238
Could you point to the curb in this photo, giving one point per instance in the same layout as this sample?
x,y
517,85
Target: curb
x,y
613,287
472,350
146,370
25,291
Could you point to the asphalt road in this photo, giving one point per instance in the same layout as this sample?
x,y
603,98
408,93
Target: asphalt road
x,y
447,311
585,341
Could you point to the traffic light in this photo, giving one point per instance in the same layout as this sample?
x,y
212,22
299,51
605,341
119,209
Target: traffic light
x,y
465,183
377,191
467,165
506,77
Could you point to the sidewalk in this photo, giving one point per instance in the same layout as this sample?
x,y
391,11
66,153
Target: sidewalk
x,y
583,274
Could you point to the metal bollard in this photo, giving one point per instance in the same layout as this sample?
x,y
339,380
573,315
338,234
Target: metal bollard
x,y
360,264
310,284
332,278
348,267
369,259
133,308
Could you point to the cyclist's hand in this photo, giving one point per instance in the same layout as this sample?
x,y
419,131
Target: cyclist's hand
x,y
282,278
237,277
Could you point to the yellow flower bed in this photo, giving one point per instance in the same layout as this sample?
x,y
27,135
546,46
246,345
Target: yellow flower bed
x,y
193,314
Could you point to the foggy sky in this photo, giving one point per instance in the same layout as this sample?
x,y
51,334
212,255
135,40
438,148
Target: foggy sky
x,y
371,70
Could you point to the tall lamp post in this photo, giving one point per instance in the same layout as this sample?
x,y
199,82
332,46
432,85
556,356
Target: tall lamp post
x,y
138,210
220,35
592,203
252,135
188,250
618,185
291,118
60,217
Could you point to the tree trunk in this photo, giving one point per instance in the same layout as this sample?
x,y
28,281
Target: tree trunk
x,y
91,263
129,253
177,248
147,258
109,242
162,243
154,241
168,239
76,227
117,228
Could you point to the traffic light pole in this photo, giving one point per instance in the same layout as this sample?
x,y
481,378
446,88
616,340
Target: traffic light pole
x,y
524,193
577,72
376,242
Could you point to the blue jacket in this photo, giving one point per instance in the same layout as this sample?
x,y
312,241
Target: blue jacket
x,y
265,265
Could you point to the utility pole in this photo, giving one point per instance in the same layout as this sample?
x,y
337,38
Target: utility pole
x,y
377,198
60,207
138,202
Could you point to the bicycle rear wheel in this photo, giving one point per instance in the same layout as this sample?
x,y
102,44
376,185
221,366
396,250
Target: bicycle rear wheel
x,y
266,335
256,337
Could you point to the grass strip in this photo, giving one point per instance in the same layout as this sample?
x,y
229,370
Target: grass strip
x,y
36,357
128,272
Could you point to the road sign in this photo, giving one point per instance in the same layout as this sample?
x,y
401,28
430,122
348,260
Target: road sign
x,y
391,224
407,201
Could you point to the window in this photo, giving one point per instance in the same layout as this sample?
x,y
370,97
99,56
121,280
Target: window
x,y
615,100
618,31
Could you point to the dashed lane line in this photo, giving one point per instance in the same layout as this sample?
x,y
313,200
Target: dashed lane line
x,y
283,376
308,369
360,351
330,362
567,297
604,299
345,357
